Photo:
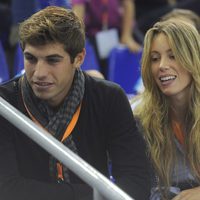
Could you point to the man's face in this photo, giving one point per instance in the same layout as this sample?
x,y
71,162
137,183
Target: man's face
x,y
49,71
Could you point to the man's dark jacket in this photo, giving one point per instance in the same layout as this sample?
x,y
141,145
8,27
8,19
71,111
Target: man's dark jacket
x,y
105,125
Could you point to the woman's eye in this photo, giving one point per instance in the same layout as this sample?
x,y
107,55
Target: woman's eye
x,y
154,59
172,57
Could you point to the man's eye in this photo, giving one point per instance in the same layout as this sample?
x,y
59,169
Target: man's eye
x,y
30,58
53,60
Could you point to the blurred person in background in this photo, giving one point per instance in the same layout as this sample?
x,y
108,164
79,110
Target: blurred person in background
x,y
148,12
100,16
183,14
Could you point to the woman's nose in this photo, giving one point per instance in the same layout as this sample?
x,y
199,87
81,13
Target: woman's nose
x,y
164,65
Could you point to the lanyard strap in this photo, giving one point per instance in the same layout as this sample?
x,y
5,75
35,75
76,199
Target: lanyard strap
x,y
104,14
72,123
178,132
68,131
69,128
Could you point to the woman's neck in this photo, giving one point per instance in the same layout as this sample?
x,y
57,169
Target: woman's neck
x,y
178,110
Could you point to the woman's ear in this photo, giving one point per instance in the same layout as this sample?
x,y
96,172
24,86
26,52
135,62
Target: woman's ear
x,y
79,59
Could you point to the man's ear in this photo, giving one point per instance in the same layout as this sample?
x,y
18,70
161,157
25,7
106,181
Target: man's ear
x,y
78,61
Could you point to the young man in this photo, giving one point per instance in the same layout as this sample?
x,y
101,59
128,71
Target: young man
x,y
50,93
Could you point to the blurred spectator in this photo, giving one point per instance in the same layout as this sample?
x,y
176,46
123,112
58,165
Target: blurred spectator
x,y
193,5
5,13
149,12
100,17
183,14
44,3
20,10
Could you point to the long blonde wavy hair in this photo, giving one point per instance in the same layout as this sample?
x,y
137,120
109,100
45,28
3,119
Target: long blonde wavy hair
x,y
153,109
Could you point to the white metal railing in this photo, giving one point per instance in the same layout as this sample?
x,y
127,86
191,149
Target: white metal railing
x,y
103,188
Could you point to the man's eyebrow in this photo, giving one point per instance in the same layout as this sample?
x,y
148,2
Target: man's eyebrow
x,y
54,56
27,53
49,56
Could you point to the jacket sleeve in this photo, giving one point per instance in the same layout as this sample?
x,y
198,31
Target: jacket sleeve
x,y
14,186
130,165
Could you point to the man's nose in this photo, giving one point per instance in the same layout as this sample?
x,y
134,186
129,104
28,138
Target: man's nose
x,y
41,69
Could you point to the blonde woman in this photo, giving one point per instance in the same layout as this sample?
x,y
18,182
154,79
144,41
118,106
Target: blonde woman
x,y
168,109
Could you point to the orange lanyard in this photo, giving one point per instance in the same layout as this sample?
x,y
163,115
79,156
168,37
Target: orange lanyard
x,y
68,131
105,14
178,132
70,126
72,123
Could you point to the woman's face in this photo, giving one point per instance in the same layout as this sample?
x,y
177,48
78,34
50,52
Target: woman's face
x,y
169,75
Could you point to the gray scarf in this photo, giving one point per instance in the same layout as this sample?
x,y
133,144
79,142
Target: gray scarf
x,y
56,122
